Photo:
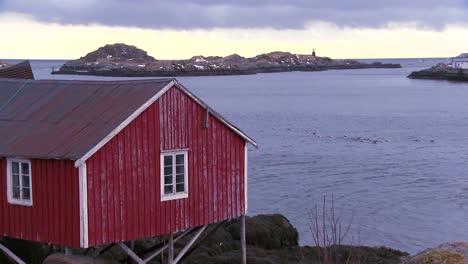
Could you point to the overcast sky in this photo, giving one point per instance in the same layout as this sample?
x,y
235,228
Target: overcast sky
x,y
266,18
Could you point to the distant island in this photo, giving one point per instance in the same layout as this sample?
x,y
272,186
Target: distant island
x,y
129,61
456,70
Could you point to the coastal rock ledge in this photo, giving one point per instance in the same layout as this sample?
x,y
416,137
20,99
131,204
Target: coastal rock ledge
x,y
121,60
456,70
441,71
449,253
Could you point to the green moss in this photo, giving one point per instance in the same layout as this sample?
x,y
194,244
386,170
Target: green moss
x,y
440,257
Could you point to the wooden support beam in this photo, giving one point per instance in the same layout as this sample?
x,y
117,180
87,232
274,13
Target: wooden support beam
x,y
170,257
157,252
101,250
139,260
243,241
190,243
11,255
131,254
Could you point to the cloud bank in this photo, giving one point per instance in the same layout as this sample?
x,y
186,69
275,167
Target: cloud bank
x,y
277,14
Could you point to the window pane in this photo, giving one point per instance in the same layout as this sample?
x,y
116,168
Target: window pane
x,y
180,159
180,178
180,169
168,189
25,168
168,179
180,187
26,194
167,160
15,180
25,181
16,192
15,167
168,170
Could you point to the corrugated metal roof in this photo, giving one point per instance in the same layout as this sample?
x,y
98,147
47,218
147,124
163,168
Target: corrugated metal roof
x,y
54,119
57,119
18,71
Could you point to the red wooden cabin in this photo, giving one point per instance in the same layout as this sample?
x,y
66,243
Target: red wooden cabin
x,y
88,163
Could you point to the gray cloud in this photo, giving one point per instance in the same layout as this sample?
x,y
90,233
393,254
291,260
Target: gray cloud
x,y
291,14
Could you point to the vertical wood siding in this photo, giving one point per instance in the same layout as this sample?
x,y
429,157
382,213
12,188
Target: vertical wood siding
x,y
124,176
54,216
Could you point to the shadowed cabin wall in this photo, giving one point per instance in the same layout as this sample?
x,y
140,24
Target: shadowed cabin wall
x,y
54,216
124,176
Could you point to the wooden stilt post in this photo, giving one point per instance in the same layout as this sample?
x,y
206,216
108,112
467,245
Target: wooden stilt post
x,y
170,257
243,241
68,251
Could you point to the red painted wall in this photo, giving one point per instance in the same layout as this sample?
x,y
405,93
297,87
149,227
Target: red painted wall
x,y
124,176
54,216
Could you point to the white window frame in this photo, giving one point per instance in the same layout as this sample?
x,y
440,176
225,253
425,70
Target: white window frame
x,y
180,195
11,199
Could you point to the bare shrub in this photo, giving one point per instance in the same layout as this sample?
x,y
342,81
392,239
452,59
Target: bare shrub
x,y
329,232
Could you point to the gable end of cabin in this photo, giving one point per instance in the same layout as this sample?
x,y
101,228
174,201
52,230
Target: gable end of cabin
x,y
175,165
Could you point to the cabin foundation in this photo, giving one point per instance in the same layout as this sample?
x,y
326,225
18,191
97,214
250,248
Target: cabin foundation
x,y
169,246
11,255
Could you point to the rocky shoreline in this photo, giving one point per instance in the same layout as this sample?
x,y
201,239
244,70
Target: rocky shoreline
x,y
440,75
441,72
121,60
271,240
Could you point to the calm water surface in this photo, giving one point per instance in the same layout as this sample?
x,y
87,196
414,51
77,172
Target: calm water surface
x,y
391,149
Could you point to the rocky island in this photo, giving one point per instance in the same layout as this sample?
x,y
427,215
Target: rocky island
x,y
456,70
129,61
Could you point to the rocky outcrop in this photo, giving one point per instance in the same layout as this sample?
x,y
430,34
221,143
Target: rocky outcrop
x,y
441,71
449,253
118,54
124,60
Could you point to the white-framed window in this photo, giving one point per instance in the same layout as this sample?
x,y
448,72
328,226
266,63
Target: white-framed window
x,y
174,175
19,182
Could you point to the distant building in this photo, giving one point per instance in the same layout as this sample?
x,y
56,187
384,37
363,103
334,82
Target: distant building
x,y
460,62
21,70
313,53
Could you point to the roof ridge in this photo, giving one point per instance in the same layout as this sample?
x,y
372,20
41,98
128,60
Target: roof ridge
x,y
100,82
